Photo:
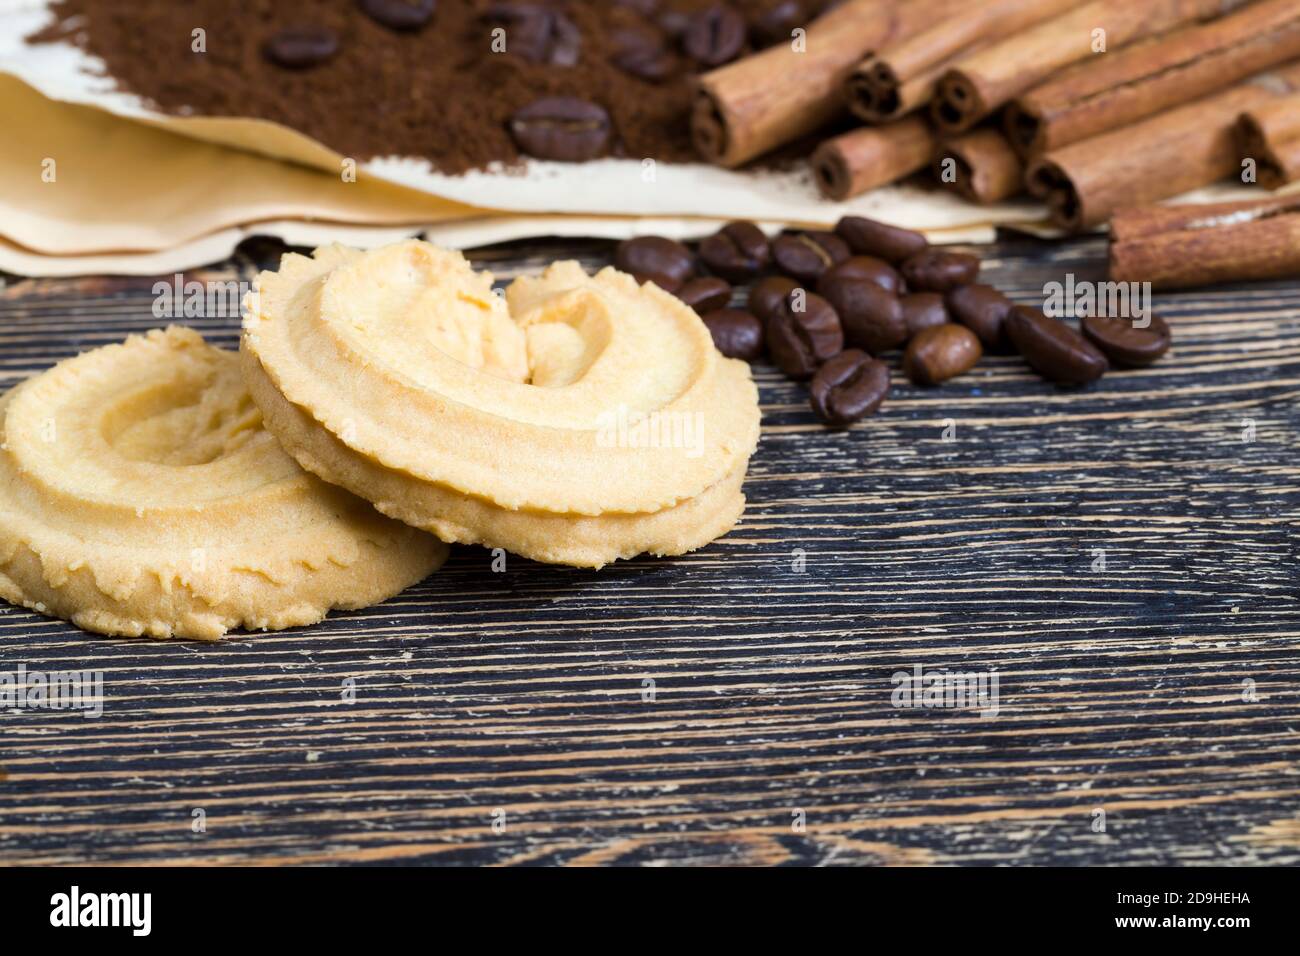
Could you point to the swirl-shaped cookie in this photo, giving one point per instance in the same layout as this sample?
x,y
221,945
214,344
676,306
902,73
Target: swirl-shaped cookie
x,y
578,420
139,495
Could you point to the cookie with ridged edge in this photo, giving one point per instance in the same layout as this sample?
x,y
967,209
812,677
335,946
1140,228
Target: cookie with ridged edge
x,y
394,374
140,495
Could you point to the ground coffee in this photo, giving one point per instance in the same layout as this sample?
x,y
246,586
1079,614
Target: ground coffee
x,y
435,90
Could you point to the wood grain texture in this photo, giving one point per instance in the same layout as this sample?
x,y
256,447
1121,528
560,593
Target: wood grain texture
x,y
522,691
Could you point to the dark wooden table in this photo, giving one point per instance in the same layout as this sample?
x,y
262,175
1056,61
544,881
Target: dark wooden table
x,y
1124,556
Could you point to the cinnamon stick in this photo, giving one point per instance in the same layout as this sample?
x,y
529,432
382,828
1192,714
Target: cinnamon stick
x,y
1270,135
1182,65
1176,247
981,166
1161,156
749,107
872,156
991,77
901,77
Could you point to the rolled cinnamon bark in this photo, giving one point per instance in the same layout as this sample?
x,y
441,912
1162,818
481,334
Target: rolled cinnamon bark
x,y
991,77
1153,75
900,78
872,156
1270,135
984,167
1159,157
1176,247
749,107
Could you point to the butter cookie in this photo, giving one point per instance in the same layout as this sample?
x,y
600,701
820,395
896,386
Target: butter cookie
x,y
140,495
576,420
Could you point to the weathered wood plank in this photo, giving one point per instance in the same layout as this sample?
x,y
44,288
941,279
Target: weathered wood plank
x,y
1121,688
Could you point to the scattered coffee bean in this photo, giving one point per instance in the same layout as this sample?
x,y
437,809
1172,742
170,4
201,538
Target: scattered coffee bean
x,y
866,237
923,310
399,14
983,310
1054,349
738,251
1125,344
705,294
941,352
801,339
736,333
867,267
641,53
766,296
714,36
848,388
938,271
806,255
655,259
297,48
563,128
538,34
777,23
872,317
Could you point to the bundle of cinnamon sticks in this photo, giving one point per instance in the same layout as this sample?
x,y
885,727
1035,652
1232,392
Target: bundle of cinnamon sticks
x,y
1090,105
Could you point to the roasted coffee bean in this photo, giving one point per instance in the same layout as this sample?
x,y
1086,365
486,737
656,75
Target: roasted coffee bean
x,y
803,333
866,267
806,255
663,261
848,388
297,48
561,127
941,352
714,36
872,317
641,53
736,333
937,271
399,14
765,297
738,251
537,34
1124,343
705,294
923,310
983,310
1054,349
866,237
776,24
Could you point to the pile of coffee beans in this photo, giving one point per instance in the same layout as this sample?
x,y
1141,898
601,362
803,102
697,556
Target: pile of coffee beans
x,y
825,306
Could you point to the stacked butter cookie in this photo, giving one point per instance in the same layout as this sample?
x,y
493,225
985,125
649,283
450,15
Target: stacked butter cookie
x,y
577,420
140,495
151,488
